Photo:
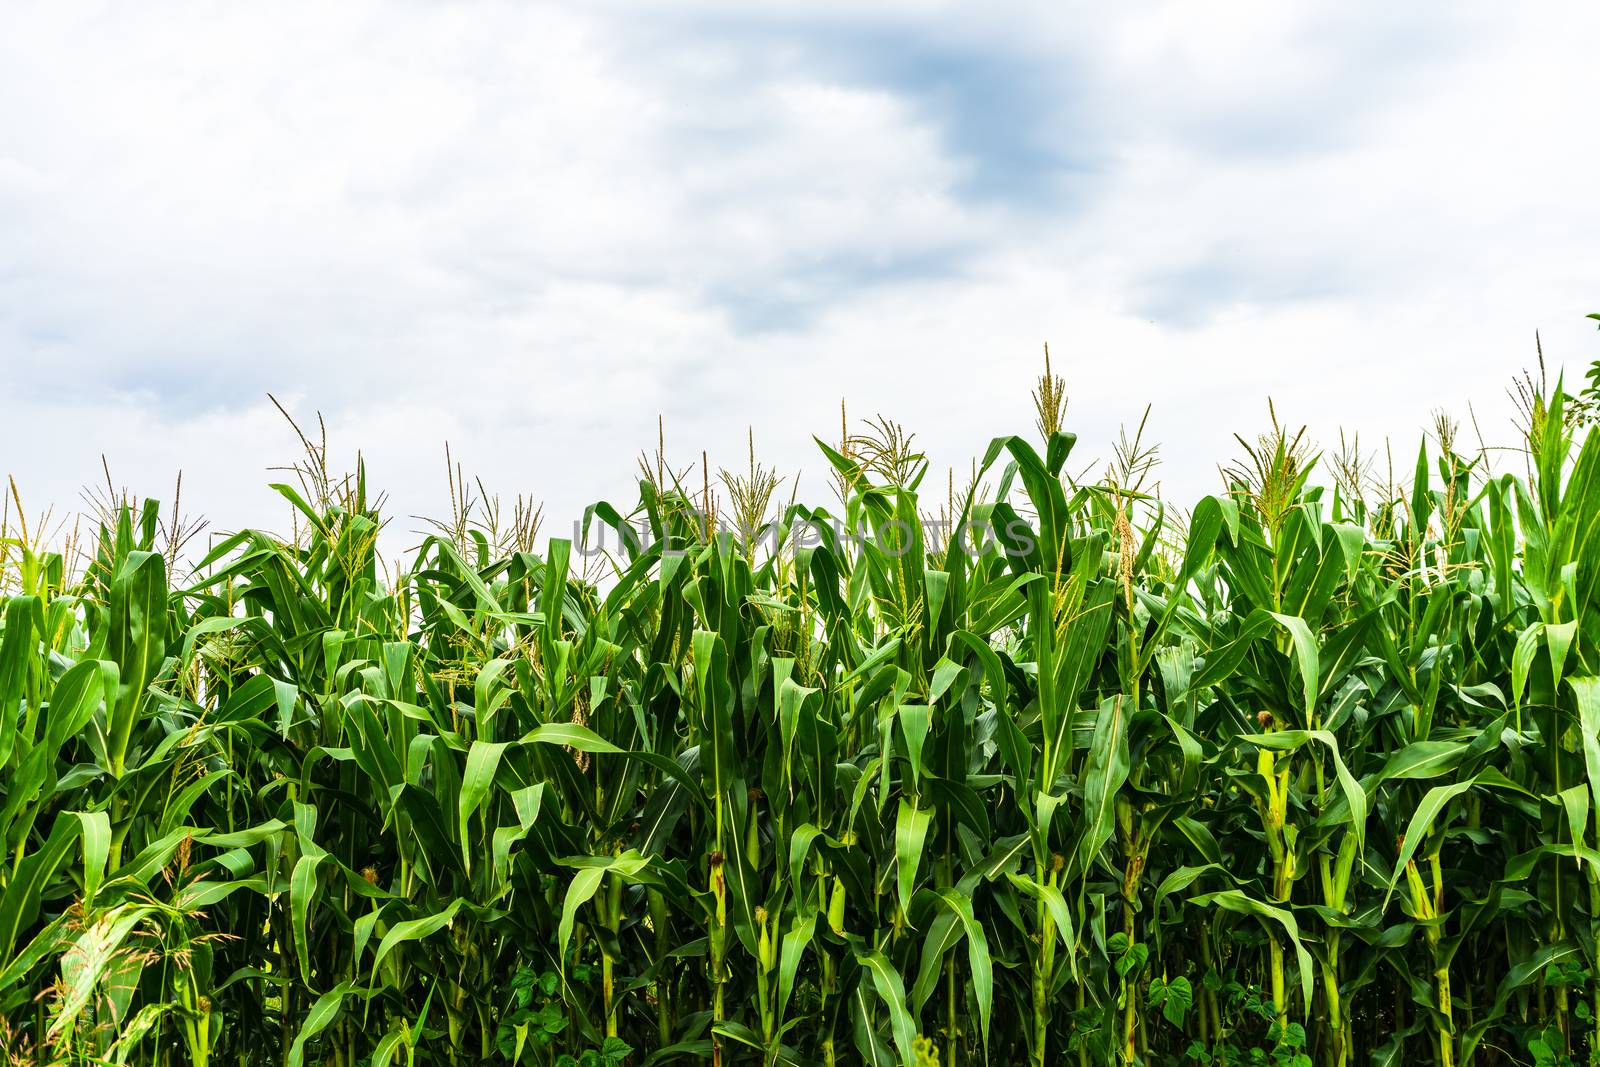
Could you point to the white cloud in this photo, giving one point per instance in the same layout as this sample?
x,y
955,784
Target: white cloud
x,y
529,228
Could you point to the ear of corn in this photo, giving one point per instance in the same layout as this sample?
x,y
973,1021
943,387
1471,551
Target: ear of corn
x,y
1312,778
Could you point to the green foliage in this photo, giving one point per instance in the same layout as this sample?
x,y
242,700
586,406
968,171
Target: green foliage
x,y
1312,778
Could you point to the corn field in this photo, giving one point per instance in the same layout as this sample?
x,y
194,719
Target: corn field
x,y
1030,769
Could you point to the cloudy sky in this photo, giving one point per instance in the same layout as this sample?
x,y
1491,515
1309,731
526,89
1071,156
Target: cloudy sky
x,y
528,229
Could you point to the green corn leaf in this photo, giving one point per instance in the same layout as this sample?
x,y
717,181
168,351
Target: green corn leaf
x,y
979,963
414,930
323,1014
1235,901
483,759
892,991
23,894
910,840
137,642
1107,771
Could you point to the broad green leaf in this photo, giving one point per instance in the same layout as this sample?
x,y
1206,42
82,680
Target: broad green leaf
x,y
1107,771
483,759
414,930
892,991
910,840
1235,901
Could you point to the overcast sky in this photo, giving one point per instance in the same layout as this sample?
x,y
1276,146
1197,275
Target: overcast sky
x,y
528,229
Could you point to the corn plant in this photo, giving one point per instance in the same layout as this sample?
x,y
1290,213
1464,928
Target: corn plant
x,y
1302,774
